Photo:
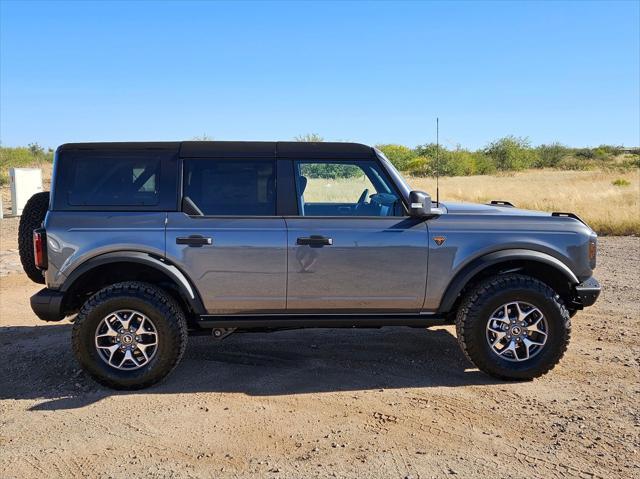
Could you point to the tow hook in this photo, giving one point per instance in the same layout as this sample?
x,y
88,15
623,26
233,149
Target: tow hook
x,y
221,333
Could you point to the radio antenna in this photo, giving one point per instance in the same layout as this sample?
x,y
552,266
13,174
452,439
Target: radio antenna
x,y
437,162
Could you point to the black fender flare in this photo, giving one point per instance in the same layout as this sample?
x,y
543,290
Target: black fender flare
x,y
474,267
186,289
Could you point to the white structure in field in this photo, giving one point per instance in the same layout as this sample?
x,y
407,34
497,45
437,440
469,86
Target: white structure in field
x,y
25,182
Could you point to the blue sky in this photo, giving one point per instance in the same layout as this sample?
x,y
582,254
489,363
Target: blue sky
x,y
369,72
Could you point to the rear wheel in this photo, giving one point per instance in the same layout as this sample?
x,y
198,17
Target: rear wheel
x,y
513,327
129,335
32,217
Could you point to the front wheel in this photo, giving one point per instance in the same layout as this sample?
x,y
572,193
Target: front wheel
x,y
129,335
513,327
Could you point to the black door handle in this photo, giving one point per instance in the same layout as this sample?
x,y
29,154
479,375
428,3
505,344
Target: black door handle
x,y
194,240
315,240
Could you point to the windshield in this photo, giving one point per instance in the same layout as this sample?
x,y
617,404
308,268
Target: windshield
x,y
397,177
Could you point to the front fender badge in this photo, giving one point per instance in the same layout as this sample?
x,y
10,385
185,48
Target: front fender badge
x,y
439,240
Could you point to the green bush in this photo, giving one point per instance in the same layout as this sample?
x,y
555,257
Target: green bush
x,y
329,170
576,163
457,162
606,152
551,155
585,153
484,164
511,153
420,166
621,182
630,163
399,155
22,157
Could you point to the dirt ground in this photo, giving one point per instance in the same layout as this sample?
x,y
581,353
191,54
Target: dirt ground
x,y
388,403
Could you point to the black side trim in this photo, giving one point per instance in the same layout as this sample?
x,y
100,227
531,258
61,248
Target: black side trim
x,y
47,304
286,200
190,208
324,149
319,321
476,266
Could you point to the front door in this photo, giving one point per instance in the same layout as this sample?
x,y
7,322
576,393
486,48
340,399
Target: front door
x,y
352,248
228,238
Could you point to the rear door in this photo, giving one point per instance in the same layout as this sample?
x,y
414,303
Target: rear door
x,y
352,248
228,238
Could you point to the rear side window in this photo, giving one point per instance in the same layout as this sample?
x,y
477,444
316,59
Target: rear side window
x,y
239,187
118,182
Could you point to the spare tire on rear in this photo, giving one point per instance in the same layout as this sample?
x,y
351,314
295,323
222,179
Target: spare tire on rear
x,y
32,217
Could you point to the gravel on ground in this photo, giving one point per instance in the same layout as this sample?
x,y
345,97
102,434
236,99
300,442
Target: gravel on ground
x,y
377,403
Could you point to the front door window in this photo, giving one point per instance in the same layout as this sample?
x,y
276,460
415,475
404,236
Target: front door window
x,y
342,188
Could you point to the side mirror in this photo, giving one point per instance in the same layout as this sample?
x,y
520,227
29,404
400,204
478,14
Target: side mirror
x,y
419,204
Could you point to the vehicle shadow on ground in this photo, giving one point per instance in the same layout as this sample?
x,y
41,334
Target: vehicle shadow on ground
x,y
257,364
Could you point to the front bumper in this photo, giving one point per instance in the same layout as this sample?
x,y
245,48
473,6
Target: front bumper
x,y
47,304
587,292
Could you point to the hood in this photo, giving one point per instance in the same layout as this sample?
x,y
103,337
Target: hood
x,y
480,209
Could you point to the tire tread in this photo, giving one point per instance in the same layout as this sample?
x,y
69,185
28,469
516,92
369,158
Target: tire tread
x,y
165,304
32,217
467,318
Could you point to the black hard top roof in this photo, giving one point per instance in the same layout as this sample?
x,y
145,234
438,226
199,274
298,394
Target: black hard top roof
x,y
235,149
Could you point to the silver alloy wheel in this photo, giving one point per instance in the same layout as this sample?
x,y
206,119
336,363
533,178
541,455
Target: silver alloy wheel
x,y
126,339
517,331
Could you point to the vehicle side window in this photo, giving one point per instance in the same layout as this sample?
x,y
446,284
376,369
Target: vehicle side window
x,y
116,182
343,188
239,187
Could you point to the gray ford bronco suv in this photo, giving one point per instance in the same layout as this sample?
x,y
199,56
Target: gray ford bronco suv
x,y
145,243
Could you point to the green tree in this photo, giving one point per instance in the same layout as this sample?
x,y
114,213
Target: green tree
x,y
550,155
399,155
309,137
36,150
203,137
511,153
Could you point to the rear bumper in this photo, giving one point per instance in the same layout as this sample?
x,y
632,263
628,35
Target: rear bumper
x,y
47,304
587,292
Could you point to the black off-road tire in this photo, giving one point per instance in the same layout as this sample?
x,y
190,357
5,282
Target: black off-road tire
x,y
32,217
479,304
166,315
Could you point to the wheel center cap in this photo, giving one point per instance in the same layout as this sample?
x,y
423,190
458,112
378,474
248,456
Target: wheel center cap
x,y
127,339
516,330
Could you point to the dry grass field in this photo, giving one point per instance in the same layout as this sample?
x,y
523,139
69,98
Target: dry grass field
x,y
608,208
